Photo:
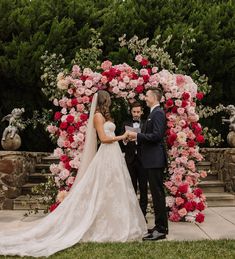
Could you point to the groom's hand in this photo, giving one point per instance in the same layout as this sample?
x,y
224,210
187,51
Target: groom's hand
x,y
132,136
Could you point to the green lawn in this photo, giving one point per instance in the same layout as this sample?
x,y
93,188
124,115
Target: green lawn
x,y
163,249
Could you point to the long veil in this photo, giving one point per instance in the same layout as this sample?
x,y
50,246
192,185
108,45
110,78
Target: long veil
x,y
90,146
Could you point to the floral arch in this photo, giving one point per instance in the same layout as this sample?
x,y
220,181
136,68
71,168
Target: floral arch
x,y
185,200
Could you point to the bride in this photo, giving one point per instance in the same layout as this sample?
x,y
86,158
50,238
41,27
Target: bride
x,y
101,206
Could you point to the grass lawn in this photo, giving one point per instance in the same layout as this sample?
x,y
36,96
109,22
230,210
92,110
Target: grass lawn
x,y
164,249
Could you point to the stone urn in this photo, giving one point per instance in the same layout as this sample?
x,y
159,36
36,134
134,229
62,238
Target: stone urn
x,y
11,144
231,138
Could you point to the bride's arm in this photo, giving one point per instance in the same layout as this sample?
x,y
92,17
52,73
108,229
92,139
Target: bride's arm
x,y
99,126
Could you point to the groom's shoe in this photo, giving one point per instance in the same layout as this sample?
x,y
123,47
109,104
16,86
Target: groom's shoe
x,y
154,236
150,230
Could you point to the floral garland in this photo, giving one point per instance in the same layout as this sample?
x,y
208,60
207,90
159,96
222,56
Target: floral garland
x,y
186,201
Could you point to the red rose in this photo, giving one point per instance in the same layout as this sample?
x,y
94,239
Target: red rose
x,y
83,78
71,139
194,204
171,139
146,78
184,104
185,96
57,116
197,192
74,101
200,96
139,89
200,206
67,165
183,188
54,206
70,129
149,70
197,130
174,109
78,125
186,125
200,217
84,116
191,143
144,62
169,103
64,158
188,206
70,118
63,125
200,139
196,127
134,76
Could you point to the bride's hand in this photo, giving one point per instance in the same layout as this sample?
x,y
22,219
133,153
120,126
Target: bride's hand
x,y
125,135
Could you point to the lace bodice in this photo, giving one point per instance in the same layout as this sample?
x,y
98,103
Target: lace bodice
x,y
109,128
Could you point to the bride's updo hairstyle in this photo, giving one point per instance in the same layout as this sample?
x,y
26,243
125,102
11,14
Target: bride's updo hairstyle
x,y
103,104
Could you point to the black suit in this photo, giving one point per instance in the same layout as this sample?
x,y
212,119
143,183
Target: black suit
x,y
154,159
137,172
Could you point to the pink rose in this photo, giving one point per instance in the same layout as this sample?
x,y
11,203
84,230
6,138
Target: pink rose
x,y
179,201
138,58
106,65
180,110
85,99
175,217
80,107
180,80
182,212
203,173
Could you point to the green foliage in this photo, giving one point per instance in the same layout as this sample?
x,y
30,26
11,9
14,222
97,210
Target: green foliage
x,y
29,28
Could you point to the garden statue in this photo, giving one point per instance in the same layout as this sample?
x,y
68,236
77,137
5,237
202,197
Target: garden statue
x,y
10,139
231,135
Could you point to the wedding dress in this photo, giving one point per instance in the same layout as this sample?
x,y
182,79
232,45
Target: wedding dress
x,y
101,207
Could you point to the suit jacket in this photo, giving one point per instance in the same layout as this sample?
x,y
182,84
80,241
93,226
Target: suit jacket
x,y
131,149
151,141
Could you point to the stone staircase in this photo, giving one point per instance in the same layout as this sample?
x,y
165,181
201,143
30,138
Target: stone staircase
x,y
214,188
27,200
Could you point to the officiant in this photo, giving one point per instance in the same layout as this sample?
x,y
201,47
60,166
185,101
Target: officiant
x,y
133,155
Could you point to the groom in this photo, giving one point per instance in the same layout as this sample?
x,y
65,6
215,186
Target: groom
x,y
154,159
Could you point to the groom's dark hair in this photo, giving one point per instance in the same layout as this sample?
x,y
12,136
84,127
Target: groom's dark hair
x,y
157,92
135,104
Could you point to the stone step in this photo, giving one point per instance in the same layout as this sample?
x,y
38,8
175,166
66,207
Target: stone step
x,y
38,177
212,186
50,160
203,165
210,177
27,188
42,167
220,199
25,202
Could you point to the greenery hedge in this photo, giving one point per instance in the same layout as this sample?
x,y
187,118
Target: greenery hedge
x,y
28,28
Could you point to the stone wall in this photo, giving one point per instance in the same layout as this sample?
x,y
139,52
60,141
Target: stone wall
x,y
15,166
222,163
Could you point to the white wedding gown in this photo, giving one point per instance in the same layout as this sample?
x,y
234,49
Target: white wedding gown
x,y
102,208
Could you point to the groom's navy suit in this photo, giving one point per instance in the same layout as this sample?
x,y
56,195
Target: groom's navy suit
x,y
154,159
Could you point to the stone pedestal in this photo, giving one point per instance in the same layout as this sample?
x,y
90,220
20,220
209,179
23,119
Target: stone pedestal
x,y
11,143
231,139
15,166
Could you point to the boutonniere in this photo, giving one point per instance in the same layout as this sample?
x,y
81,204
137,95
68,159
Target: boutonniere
x,y
149,119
